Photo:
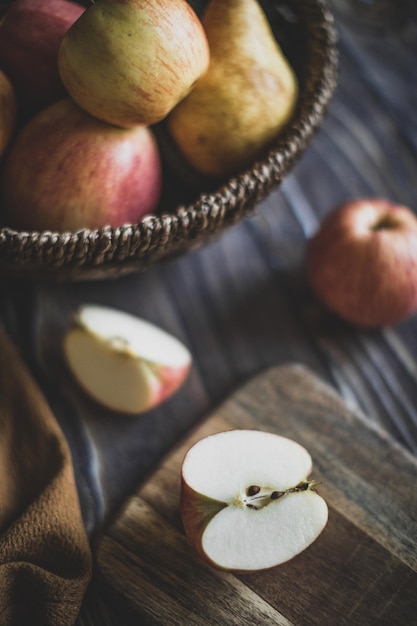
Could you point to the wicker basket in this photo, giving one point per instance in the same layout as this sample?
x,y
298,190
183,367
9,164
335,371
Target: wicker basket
x,y
307,34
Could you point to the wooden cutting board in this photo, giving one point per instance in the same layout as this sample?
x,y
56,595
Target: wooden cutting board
x,y
362,569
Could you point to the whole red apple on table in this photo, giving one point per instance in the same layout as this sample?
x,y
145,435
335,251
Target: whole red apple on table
x,y
30,35
362,262
8,112
67,170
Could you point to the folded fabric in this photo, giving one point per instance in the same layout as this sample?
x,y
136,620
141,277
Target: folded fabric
x,y
45,558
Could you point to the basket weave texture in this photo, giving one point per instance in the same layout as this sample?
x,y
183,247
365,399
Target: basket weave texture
x,y
110,252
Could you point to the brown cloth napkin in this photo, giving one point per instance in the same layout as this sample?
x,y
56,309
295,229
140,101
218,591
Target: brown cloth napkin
x,y
45,558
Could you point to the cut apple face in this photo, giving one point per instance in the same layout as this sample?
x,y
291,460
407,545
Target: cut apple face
x,y
123,362
246,503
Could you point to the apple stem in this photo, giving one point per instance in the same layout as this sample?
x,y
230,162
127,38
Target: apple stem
x,y
257,500
386,222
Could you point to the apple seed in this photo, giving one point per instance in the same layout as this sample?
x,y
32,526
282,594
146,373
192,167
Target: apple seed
x,y
257,500
277,494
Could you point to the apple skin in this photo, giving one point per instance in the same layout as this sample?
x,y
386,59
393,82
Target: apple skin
x,y
130,62
8,112
169,380
66,171
362,262
197,510
30,35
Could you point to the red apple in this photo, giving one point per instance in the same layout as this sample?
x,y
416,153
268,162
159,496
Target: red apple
x,y
362,262
67,170
7,112
123,362
30,35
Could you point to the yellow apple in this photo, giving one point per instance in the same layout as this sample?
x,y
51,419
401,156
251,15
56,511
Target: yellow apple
x,y
67,170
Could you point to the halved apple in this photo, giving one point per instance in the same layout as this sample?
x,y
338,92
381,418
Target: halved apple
x,y
123,362
246,503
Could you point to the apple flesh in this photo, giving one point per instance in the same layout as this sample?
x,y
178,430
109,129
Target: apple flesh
x,y
123,362
362,262
67,171
246,503
8,112
31,32
130,62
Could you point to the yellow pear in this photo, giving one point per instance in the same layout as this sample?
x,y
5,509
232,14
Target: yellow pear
x,y
245,98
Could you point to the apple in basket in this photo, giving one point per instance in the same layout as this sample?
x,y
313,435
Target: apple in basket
x,y
362,262
246,501
31,32
129,62
67,170
123,362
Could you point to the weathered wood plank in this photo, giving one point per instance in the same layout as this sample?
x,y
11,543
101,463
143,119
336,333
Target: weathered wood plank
x,y
150,561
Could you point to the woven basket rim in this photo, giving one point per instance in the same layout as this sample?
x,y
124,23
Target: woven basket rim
x,y
108,251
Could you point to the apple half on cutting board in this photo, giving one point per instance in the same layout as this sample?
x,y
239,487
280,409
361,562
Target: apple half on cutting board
x,y
246,502
123,362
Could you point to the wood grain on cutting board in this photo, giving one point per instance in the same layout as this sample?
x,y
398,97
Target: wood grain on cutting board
x,y
361,570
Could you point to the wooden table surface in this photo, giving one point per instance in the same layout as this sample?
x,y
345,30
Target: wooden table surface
x,y
241,303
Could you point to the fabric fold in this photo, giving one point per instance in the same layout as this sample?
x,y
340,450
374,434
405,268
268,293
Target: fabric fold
x,y
45,557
